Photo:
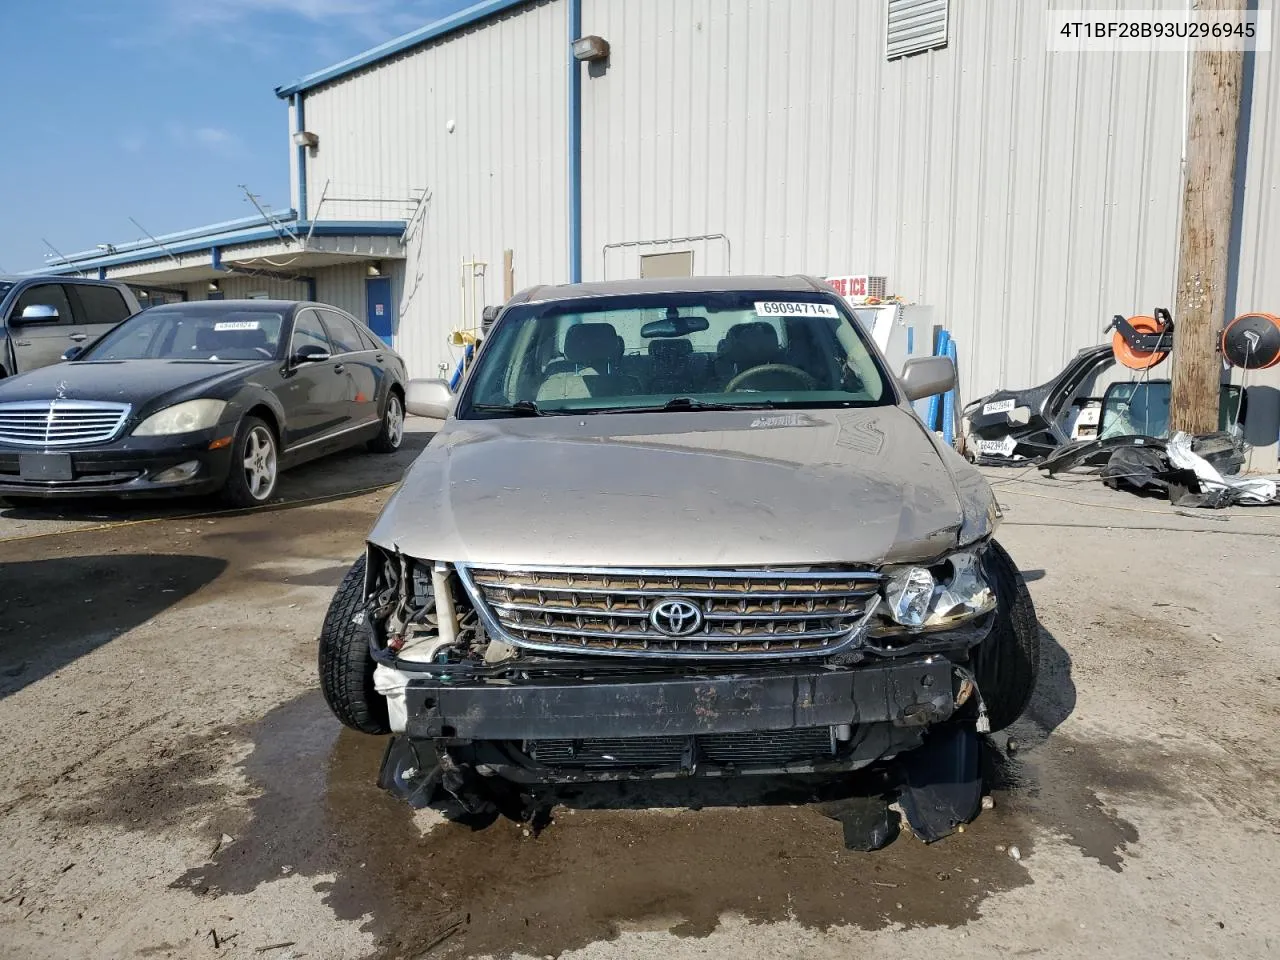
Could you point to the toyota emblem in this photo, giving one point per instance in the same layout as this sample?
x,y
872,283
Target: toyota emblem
x,y
676,616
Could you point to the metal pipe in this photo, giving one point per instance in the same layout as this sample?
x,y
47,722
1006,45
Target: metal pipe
x,y
604,251
575,144
300,124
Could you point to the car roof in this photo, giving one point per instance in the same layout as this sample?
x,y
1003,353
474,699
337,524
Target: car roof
x,y
215,306
796,283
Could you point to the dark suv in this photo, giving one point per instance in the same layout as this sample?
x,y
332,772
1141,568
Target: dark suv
x,y
41,318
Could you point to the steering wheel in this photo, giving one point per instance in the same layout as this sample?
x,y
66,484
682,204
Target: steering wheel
x,y
265,352
807,381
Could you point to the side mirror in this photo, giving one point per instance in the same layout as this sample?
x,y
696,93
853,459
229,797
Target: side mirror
x,y
309,353
487,316
72,353
927,377
429,398
35,313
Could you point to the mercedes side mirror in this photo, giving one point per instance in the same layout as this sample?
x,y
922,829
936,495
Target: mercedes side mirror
x,y
429,398
927,377
72,352
34,314
310,353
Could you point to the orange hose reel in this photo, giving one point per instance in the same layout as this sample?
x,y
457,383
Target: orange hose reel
x,y
1131,357
1252,341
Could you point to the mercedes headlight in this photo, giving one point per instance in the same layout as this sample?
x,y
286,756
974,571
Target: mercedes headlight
x,y
182,418
936,597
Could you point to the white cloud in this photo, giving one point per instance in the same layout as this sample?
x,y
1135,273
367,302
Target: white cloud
x,y
214,136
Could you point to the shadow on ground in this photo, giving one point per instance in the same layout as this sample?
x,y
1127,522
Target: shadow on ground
x,y
61,608
333,477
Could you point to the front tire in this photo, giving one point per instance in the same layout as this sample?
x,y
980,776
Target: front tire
x,y
1007,663
255,465
391,434
346,665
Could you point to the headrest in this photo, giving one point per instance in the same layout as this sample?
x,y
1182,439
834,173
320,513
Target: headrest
x,y
208,339
592,343
670,349
752,343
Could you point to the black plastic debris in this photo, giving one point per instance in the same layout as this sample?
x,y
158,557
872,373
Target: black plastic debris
x,y
410,773
942,785
868,822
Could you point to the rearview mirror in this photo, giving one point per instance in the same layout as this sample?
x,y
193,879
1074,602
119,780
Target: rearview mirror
x,y
927,377
429,398
674,326
310,353
72,352
35,313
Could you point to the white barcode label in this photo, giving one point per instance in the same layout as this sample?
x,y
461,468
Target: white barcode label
x,y
776,308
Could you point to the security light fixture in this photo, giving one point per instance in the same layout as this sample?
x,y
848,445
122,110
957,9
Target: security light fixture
x,y
590,48
213,286
305,138
375,268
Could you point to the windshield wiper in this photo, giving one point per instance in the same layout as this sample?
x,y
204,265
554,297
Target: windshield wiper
x,y
680,404
521,408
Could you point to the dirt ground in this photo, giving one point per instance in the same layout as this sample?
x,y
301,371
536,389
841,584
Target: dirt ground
x,y
171,784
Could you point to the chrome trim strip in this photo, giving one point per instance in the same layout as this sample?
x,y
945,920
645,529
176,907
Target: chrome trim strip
x,y
782,573
330,436
853,637
644,614
663,638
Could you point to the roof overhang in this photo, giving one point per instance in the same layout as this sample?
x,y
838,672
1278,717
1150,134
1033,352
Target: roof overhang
x,y
254,254
432,31
295,248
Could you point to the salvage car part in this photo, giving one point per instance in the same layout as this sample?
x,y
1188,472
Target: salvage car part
x,y
1019,425
1252,341
612,563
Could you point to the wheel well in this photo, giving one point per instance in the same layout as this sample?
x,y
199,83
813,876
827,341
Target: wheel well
x,y
266,414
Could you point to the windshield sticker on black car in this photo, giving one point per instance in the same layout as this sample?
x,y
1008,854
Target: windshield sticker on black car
x,y
775,308
235,325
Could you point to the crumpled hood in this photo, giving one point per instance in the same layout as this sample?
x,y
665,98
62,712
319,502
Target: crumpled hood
x,y
687,489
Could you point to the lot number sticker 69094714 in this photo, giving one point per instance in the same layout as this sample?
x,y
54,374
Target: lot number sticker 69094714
x,y
775,308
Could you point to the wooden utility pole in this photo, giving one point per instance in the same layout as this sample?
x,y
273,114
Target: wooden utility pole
x,y
1213,114
508,275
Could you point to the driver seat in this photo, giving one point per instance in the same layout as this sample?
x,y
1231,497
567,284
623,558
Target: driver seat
x,y
747,345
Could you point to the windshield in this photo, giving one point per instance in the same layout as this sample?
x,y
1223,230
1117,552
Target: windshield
x,y
165,333
686,350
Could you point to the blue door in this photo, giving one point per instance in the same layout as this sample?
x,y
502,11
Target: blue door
x,y
377,307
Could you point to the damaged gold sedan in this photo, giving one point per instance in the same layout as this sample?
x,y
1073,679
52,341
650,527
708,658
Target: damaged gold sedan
x,y
682,528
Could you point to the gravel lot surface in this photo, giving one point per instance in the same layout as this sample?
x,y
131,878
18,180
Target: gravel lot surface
x,y
171,784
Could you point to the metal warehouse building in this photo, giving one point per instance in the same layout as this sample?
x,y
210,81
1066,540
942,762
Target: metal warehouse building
x,y
1026,196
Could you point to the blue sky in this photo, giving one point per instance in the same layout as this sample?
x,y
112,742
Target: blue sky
x,y
158,109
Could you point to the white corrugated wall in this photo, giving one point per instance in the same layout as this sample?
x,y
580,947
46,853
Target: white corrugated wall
x,y
1026,196
496,182
235,287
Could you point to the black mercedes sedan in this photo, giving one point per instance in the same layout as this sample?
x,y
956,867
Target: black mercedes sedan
x,y
197,398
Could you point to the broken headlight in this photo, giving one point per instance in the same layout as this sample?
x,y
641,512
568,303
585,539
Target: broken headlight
x,y
942,595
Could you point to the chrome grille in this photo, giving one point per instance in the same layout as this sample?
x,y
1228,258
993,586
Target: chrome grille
x,y
748,613
60,423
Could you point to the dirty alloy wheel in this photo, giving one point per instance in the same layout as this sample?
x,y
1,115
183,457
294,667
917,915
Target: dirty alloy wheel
x,y
255,465
346,665
1007,662
392,433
